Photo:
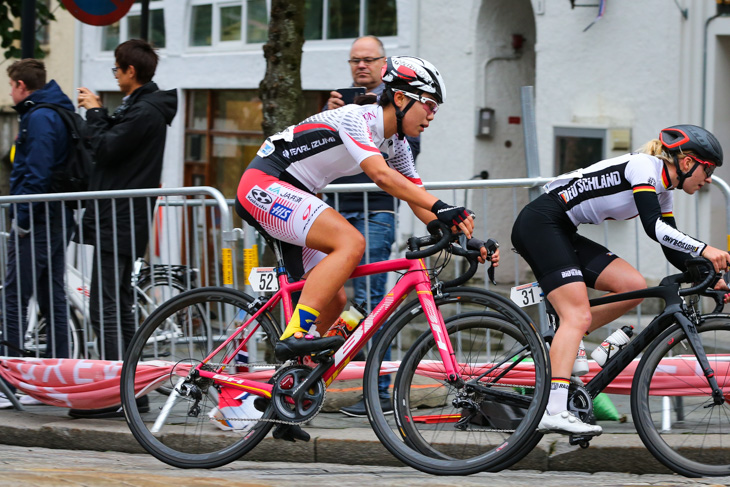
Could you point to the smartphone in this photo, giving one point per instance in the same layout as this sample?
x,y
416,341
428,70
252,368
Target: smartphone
x,y
349,94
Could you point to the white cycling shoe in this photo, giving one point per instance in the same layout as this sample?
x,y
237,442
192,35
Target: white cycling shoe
x,y
566,423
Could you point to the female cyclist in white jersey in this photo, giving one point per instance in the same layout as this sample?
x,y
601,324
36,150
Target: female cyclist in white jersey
x,y
277,192
566,263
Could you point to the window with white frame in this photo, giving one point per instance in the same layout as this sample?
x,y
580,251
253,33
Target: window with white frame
x,y
349,19
228,23
129,27
236,22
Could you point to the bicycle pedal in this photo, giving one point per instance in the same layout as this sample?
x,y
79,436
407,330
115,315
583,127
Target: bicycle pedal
x,y
261,404
323,357
581,440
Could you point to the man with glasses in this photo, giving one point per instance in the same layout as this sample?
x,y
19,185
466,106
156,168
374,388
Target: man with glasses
x,y
367,59
129,145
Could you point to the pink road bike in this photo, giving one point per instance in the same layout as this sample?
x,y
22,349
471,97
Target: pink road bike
x,y
466,365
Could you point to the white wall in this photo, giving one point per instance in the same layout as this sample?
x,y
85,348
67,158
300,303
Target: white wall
x,y
640,67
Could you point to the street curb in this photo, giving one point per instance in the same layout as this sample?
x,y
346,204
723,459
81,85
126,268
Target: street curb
x,y
352,446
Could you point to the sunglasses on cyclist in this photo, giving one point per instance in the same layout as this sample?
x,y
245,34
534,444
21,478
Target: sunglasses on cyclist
x,y
707,166
429,104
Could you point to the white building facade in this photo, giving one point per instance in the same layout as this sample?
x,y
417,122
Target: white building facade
x,y
642,66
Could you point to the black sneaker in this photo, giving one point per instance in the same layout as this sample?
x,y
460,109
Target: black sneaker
x,y
297,346
357,410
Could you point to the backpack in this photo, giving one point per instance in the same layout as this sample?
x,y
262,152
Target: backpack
x,y
73,176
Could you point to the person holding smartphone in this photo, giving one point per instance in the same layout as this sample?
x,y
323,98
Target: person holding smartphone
x,y
367,57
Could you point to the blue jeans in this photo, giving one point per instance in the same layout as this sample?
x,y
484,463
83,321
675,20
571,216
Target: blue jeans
x,y
380,238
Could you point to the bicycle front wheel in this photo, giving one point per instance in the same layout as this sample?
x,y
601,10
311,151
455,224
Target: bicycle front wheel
x,y
480,422
183,428
671,402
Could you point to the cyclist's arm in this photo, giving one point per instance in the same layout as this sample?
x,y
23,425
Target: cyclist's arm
x,y
662,228
410,191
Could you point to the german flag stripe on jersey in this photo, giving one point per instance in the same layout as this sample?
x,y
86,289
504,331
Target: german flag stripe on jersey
x,y
668,215
665,178
644,187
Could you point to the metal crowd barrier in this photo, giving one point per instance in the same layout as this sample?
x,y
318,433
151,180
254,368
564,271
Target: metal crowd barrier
x,y
197,228
183,253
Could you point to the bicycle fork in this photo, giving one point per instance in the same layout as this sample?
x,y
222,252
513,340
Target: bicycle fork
x,y
699,350
440,334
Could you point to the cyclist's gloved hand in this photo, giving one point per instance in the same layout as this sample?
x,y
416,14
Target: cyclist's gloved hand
x,y
450,215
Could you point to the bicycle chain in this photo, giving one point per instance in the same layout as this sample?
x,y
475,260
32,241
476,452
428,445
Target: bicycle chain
x,y
324,393
270,420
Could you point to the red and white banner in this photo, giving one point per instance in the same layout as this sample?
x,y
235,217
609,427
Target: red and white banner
x,y
93,384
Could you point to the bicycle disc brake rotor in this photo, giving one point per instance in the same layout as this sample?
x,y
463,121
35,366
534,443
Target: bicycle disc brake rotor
x,y
286,383
580,403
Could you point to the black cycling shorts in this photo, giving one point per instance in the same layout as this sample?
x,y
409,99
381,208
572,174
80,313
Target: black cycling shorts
x,y
549,242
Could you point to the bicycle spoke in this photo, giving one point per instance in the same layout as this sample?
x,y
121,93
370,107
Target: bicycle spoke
x,y
186,425
675,414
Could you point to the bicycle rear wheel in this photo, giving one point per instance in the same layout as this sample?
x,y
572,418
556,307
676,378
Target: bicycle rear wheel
x,y
179,429
36,341
444,427
672,405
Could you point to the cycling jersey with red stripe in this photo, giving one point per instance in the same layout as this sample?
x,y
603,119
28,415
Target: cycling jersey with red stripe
x,y
622,188
332,144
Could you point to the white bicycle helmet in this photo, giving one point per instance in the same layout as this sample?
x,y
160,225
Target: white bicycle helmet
x,y
414,75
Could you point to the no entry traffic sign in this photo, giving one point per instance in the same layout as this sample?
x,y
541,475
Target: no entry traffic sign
x,y
98,12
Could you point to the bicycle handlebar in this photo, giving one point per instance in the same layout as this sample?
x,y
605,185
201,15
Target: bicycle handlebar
x,y
442,238
438,240
698,269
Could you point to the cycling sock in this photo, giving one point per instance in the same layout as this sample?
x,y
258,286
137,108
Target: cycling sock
x,y
302,320
558,400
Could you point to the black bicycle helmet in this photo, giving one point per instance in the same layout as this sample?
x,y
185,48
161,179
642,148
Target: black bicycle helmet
x,y
679,139
414,75
684,138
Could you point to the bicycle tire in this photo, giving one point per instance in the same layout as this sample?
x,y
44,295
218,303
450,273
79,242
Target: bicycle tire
x,y
695,446
154,291
37,342
151,292
427,440
182,436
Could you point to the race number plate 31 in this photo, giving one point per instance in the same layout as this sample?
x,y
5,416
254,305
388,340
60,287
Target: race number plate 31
x,y
526,294
263,279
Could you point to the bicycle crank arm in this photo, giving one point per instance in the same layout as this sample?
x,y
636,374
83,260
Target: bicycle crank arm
x,y
313,377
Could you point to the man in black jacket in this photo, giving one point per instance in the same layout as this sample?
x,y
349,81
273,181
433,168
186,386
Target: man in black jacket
x,y
129,146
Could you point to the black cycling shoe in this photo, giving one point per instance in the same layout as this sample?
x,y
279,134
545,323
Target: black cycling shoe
x,y
290,432
300,344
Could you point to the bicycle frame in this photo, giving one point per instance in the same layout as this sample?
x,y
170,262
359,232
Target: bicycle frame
x,y
416,278
672,312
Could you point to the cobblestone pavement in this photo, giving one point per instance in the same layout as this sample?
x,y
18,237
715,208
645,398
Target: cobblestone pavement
x,y
31,467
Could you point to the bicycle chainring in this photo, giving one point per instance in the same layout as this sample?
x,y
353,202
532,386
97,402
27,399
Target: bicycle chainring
x,y
580,403
287,381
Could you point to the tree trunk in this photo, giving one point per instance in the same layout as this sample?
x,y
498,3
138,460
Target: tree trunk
x,y
281,88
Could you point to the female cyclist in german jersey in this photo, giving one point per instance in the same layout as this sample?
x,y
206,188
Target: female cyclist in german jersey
x,y
566,263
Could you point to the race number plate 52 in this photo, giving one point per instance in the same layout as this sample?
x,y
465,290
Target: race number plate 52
x,y
526,294
263,279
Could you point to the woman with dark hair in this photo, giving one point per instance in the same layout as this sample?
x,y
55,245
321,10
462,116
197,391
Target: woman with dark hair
x,y
277,192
